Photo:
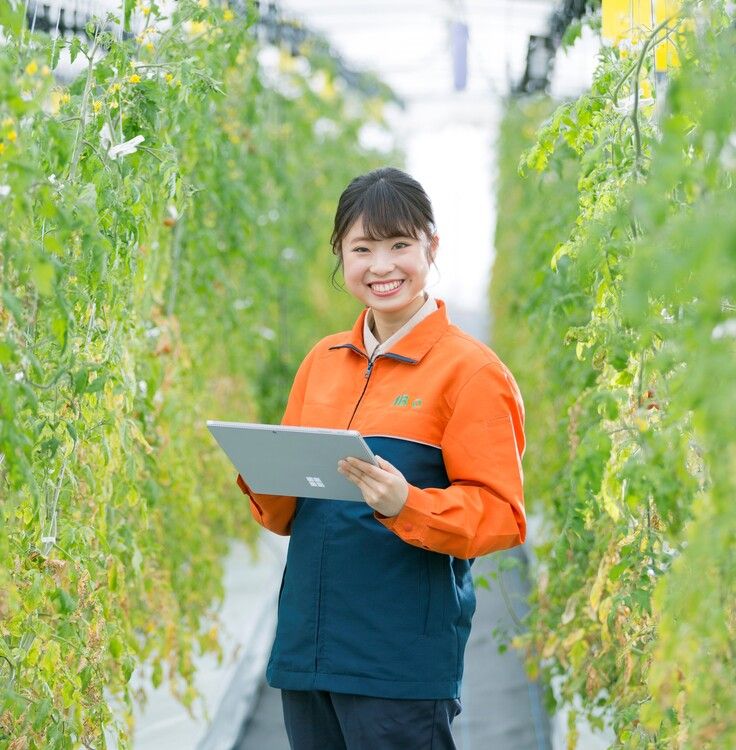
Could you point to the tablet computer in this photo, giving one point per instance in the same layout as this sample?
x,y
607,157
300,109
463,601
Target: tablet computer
x,y
294,461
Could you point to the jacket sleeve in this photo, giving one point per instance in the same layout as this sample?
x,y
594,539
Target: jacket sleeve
x,y
483,508
275,512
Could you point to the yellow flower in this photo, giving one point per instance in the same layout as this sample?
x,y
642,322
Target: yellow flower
x,y
2,147
96,106
55,102
169,77
32,68
228,15
114,88
197,27
65,99
114,104
645,89
146,10
286,62
12,136
150,47
328,92
135,78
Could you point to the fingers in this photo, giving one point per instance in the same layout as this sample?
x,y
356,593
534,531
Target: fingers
x,y
382,489
363,466
360,473
387,466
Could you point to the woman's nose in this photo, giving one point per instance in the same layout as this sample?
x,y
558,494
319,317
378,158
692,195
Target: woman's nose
x,y
381,264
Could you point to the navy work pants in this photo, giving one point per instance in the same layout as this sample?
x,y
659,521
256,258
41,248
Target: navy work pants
x,y
321,720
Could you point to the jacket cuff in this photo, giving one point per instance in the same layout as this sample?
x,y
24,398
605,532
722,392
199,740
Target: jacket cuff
x,y
410,523
257,510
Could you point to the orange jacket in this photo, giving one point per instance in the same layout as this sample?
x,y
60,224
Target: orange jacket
x,y
438,392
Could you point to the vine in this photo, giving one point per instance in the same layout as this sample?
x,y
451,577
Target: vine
x,y
165,251
623,247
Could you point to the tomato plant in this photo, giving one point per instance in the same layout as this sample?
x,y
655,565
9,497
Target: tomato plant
x,y
165,223
614,296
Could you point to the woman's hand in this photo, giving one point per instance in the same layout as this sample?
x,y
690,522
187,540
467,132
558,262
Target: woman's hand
x,y
384,487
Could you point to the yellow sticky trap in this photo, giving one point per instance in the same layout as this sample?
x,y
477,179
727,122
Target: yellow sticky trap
x,y
665,53
631,20
624,19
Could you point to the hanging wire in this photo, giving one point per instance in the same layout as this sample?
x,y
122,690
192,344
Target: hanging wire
x,y
56,32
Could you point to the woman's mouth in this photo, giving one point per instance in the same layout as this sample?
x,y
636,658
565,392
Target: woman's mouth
x,y
386,288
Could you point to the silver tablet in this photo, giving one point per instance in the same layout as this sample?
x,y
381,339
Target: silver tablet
x,y
294,461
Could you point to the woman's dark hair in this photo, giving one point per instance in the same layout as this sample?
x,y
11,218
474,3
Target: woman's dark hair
x,y
392,204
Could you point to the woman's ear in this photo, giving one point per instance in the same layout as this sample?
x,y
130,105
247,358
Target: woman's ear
x,y
433,247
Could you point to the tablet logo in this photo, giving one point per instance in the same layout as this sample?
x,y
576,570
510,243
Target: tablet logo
x,y
315,482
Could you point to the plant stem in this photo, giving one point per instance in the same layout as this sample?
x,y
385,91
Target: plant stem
x,y
85,100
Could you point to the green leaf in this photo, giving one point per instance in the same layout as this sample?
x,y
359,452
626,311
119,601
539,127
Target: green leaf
x,y
66,602
56,51
52,245
7,350
59,327
43,276
116,647
72,432
12,16
80,380
14,305
157,674
572,32
128,668
615,572
97,384
88,196
112,577
41,712
129,5
74,48
85,676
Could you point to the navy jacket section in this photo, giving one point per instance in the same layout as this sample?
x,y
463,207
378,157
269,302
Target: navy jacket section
x,y
378,605
388,619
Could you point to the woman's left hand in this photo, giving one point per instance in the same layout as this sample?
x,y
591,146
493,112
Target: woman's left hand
x,y
383,487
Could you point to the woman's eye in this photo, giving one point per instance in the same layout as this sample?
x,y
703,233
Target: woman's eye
x,y
400,245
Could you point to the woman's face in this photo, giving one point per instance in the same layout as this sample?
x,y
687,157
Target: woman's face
x,y
387,274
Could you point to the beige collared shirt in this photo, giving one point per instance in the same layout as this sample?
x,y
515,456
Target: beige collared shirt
x,y
374,347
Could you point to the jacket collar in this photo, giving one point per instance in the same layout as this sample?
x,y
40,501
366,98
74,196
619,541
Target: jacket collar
x,y
411,347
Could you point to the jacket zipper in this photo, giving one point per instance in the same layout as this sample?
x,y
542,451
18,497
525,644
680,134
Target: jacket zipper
x,y
369,369
367,375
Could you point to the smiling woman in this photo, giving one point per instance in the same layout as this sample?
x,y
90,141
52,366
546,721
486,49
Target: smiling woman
x,y
388,275
385,239
377,597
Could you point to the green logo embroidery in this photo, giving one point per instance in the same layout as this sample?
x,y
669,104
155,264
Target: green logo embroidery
x,y
403,400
